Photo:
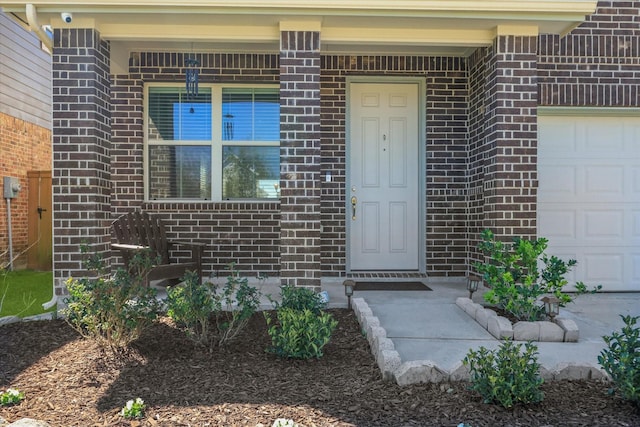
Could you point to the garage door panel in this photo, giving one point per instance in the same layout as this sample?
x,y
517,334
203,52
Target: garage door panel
x,y
604,181
589,196
603,135
635,182
557,182
604,224
635,262
603,268
560,223
635,224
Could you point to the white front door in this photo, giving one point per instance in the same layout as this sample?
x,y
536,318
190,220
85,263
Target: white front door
x,y
383,192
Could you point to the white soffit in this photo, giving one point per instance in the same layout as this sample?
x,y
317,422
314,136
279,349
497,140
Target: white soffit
x,y
370,26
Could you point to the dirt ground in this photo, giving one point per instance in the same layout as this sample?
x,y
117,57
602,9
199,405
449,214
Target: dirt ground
x,y
68,381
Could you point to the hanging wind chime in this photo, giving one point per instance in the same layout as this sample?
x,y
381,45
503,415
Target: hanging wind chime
x,y
191,77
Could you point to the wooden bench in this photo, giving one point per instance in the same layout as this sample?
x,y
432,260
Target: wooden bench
x,y
138,232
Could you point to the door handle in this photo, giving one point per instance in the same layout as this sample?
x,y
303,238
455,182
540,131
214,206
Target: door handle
x,y
354,201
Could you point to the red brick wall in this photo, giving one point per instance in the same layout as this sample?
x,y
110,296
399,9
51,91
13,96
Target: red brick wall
x,y
23,147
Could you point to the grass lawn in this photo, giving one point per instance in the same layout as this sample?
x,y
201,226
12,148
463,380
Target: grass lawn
x,y
24,292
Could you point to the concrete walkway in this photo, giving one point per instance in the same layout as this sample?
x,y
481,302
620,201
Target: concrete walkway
x,y
419,336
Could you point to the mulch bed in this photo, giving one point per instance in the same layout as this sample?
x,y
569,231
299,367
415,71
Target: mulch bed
x,y
69,381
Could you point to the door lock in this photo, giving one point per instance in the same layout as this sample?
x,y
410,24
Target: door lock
x,y
354,201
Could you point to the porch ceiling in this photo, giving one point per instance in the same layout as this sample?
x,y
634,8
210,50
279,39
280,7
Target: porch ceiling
x,y
445,27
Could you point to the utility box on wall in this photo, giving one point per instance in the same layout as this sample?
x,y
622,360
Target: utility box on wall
x,y
11,187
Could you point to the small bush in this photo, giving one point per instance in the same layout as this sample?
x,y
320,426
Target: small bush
x,y
505,375
111,310
190,305
519,273
300,334
210,314
297,298
621,359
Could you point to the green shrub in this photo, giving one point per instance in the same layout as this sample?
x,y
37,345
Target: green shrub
x,y
515,280
505,375
190,305
621,359
111,310
300,334
210,314
297,298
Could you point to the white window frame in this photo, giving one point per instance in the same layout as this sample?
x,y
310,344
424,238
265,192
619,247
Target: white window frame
x,y
216,143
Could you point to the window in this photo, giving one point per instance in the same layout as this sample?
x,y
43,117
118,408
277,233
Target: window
x,y
222,144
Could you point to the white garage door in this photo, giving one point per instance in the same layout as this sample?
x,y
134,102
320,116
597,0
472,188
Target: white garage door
x,y
589,196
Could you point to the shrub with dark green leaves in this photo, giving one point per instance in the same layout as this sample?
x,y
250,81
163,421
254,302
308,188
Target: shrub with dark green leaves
x,y
621,359
190,305
506,375
111,310
211,314
298,298
521,272
299,334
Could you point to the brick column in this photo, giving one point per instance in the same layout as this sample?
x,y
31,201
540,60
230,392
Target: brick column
x,y
81,145
300,158
510,150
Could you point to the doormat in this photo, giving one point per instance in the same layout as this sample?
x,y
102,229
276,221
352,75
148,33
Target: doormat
x,y
391,286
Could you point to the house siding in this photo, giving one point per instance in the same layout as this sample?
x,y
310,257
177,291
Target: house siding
x,y
25,73
25,127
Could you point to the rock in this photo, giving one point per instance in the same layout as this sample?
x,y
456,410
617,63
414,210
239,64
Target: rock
x,y
500,327
483,315
526,331
570,328
419,371
389,361
550,332
28,422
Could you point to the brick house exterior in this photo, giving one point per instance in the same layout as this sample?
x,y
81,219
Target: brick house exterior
x,y
25,129
481,140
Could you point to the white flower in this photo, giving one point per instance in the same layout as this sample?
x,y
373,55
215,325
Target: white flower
x,y
283,422
13,392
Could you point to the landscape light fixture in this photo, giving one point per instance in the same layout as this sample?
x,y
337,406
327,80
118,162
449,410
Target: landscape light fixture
x,y
349,286
472,285
551,306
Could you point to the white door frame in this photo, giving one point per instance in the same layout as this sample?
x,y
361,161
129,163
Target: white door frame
x,y
421,83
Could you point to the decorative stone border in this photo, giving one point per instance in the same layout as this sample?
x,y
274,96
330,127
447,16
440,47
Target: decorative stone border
x,y
426,371
562,330
388,359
